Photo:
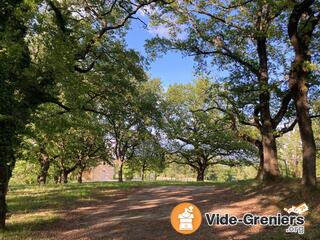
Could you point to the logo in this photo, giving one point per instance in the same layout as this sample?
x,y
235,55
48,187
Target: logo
x,y
186,218
300,209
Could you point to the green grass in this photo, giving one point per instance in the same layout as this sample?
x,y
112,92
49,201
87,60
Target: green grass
x,y
26,198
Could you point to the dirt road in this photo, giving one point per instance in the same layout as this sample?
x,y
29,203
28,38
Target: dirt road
x,y
144,213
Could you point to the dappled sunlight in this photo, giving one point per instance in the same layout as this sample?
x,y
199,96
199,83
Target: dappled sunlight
x,y
20,222
147,211
130,213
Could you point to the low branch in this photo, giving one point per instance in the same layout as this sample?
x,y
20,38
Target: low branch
x,y
283,109
286,129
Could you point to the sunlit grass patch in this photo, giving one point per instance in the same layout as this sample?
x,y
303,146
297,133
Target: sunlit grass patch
x,y
21,225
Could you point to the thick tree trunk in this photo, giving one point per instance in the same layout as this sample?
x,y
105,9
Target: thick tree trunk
x,y
301,34
270,159
299,87
200,175
120,174
306,135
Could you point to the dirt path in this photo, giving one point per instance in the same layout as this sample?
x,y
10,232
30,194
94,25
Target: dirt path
x,y
144,213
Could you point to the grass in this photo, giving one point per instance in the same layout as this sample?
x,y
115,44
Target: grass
x,y
26,198
34,207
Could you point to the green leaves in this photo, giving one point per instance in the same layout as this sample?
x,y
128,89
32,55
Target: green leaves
x,y
196,130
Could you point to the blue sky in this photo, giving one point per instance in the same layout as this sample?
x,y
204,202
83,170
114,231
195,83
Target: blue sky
x,y
171,68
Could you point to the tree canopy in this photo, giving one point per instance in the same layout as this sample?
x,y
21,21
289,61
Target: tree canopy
x,y
74,95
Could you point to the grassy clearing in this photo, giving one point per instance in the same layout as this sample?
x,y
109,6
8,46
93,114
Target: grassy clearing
x,y
27,198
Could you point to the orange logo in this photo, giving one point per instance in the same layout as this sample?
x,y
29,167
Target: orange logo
x,y
186,218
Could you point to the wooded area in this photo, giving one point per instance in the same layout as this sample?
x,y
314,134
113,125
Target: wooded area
x,y
74,95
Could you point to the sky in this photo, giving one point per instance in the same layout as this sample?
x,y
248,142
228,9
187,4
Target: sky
x,y
172,67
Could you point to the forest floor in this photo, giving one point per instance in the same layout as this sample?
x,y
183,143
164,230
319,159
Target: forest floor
x,y
142,210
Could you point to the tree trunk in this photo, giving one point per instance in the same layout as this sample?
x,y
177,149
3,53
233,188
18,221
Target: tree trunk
x,y
7,160
309,177
64,176
260,169
299,87
270,159
120,177
79,176
301,34
56,178
42,176
143,172
3,192
200,175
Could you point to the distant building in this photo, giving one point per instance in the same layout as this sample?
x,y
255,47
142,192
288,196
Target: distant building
x,y
102,172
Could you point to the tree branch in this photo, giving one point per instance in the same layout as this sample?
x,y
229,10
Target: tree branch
x,y
294,19
286,129
283,109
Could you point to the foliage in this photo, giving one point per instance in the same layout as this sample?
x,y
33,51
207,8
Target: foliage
x,y
290,154
66,143
128,119
148,157
197,134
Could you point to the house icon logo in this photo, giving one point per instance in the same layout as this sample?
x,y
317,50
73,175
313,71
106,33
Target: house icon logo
x,y
186,218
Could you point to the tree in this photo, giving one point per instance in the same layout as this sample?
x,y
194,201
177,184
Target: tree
x,y
301,27
243,40
16,95
64,41
148,156
68,142
79,149
92,151
37,144
126,116
200,138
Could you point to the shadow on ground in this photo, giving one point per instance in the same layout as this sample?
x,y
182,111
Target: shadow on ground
x,y
144,213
